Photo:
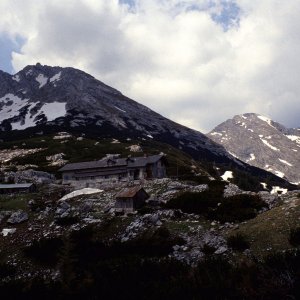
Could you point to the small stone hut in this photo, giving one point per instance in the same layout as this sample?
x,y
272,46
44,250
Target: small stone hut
x,y
130,199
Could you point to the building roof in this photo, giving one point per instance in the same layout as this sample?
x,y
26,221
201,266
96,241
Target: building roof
x,y
16,186
108,162
130,192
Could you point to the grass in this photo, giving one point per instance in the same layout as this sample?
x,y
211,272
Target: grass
x,y
85,150
14,202
184,226
269,231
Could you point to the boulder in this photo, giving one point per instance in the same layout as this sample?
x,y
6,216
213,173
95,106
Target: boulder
x,y
7,231
18,217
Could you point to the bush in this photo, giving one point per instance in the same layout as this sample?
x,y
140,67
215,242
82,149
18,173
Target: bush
x,y
294,237
208,250
44,251
238,242
237,208
199,203
6,270
188,202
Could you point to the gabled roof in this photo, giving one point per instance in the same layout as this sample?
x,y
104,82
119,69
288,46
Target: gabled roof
x,y
130,192
108,162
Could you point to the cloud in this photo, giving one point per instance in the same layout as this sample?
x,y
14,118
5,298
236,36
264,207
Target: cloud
x,y
198,62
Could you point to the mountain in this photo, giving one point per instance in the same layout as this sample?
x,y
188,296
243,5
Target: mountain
x,y
46,98
43,100
263,143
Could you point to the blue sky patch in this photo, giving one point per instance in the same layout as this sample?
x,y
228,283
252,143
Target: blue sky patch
x,y
131,3
7,46
229,15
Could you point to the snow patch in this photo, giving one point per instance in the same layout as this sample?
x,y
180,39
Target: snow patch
x,y
16,78
267,120
216,133
252,157
244,117
135,148
251,130
56,77
296,183
285,162
10,111
227,175
279,174
243,125
269,145
294,138
276,189
234,155
41,79
54,110
85,191
150,136
264,185
28,122
118,108
115,141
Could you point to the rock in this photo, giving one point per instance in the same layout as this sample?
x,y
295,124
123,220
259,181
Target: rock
x,y
18,217
158,223
62,208
6,231
221,250
176,247
271,199
154,219
31,203
86,207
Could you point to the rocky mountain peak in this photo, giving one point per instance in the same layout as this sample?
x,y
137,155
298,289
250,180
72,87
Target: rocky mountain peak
x,y
261,142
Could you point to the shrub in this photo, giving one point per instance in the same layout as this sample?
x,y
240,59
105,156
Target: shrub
x,y
238,242
294,237
44,251
208,250
6,270
237,208
199,203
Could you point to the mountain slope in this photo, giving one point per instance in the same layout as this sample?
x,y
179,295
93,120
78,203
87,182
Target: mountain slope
x,y
261,142
44,100
43,97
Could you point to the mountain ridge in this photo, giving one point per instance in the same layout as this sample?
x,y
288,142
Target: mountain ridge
x,y
261,142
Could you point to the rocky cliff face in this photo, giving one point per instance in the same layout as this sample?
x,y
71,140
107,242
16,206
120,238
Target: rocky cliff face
x,y
263,143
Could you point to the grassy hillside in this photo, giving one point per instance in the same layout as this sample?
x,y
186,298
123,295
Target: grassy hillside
x,y
87,149
269,232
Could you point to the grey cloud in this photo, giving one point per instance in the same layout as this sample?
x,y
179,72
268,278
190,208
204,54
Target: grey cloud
x,y
183,65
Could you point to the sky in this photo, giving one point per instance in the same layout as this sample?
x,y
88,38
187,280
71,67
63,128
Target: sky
x,y
197,62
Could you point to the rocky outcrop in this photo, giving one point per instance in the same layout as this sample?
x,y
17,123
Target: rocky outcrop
x,y
30,176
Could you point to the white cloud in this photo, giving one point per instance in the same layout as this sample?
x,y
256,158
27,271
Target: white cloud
x,y
171,55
